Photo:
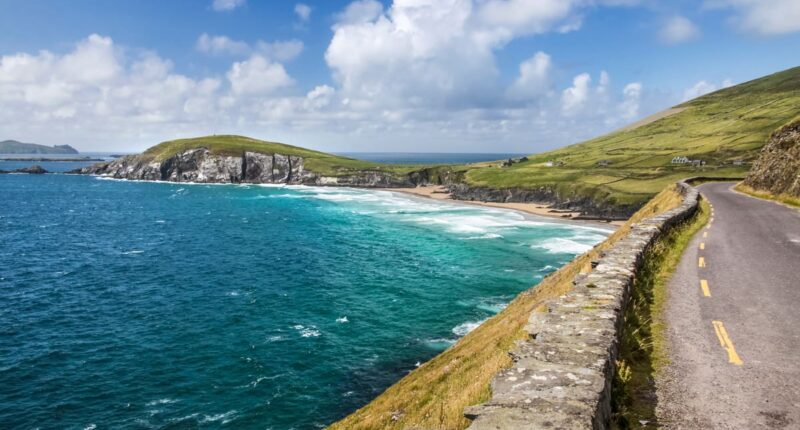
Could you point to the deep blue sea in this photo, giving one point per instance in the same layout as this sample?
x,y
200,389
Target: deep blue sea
x,y
139,305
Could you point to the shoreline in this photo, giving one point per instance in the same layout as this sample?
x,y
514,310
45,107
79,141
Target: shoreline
x,y
435,192
438,192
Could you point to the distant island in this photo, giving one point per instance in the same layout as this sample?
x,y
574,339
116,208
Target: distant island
x,y
15,147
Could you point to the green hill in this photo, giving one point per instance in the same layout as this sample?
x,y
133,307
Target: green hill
x,y
14,147
320,162
719,128
623,169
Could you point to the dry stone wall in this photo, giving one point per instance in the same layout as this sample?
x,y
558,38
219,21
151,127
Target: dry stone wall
x,y
562,374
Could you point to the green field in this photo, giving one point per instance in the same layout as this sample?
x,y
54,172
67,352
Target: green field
x,y
719,128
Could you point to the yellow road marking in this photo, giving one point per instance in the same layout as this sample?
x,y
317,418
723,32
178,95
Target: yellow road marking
x,y
726,343
705,234
701,262
704,287
702,245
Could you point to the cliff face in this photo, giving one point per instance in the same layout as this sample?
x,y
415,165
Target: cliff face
x,y
200,165
588,207
777,169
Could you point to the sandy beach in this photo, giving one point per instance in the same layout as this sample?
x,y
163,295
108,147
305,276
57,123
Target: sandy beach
x,y
439,192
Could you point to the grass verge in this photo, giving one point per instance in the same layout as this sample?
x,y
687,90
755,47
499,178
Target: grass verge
x,y
761,194
643,349
434,395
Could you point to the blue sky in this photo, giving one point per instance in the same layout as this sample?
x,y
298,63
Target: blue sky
x,y
407,75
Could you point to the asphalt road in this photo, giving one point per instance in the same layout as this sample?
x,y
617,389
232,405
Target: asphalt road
x,y
733,320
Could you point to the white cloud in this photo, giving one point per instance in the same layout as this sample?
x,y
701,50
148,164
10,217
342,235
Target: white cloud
x,y
632,94
418,75
279,50
227,5
704,87
303,11
765,17
678,29
359,12
257,76
534,77
219,45
574,98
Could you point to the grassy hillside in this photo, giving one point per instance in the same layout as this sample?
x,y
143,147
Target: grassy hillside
x,y
727,125
14,147
718,128
327,164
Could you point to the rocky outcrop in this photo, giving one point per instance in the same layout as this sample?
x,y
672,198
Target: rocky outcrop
x,y
202,166
562,373
544,195
777,168
34,170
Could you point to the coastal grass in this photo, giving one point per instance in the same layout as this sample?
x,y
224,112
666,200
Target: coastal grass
x,y
722,127
786,199
643,347
434,395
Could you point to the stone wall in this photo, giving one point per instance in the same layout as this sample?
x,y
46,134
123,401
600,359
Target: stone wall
x,y
561,376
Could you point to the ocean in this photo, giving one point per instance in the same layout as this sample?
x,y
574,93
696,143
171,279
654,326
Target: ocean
x,y
144,305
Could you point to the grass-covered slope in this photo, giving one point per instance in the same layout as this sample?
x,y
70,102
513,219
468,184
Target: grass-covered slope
x,y
320,162
719,128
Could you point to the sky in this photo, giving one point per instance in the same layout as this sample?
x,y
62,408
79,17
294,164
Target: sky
x,y
518,76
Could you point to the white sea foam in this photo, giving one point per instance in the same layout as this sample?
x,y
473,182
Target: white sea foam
x,y
485,236
342,320
546,268
559,245
224,417
134,251
492,305
464,328
310,331
164,401
439,343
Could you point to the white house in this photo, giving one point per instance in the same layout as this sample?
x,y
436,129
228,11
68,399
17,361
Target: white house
x,y
680,160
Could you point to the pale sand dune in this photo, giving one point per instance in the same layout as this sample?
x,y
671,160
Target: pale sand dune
x,y
440,193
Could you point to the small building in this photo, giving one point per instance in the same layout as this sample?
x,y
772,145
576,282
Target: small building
x,y
680,160
603,163
697,162
549,164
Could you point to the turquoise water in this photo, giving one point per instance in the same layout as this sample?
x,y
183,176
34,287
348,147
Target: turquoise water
x,y
149,305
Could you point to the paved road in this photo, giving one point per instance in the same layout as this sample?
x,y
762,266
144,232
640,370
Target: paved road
x,y
734,324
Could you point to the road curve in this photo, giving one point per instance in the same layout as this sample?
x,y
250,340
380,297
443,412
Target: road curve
x,y
733,320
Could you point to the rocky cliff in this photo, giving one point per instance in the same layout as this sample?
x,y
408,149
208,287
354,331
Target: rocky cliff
x,y
203,166
777,168
587,206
